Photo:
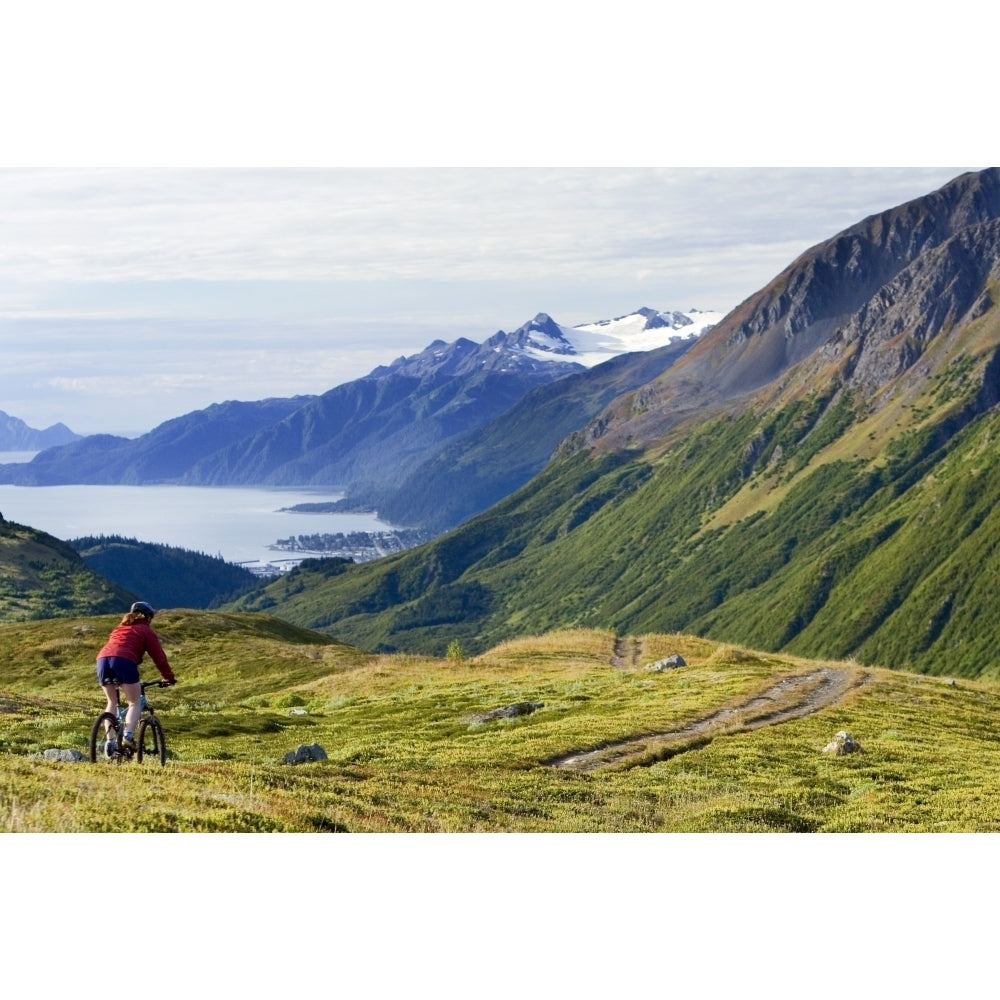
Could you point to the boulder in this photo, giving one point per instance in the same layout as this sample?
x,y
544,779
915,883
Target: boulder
x,y
843,743
509,711
70,756
670,663
305,754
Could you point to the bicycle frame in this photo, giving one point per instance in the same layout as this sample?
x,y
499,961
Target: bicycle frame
x,y
149,737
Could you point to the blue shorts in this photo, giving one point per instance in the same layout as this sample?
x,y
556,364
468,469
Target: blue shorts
x,y
116,670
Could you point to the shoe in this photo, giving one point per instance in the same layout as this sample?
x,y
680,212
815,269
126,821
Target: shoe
x,y
111,748
128,744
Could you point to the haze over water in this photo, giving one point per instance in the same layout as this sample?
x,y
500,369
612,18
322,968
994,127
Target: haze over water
x,y
237,523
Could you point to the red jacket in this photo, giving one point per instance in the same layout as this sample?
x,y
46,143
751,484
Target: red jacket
x,y
131,641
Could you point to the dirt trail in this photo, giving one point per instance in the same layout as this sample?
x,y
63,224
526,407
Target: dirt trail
x,y
628,653
791,697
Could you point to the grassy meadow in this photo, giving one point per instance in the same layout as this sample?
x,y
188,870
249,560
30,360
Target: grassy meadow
x,y
408,750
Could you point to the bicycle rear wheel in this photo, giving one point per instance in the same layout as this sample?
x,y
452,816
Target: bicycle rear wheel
x,y
150,741
98,737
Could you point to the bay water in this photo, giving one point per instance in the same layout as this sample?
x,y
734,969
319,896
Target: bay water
x,y
238,524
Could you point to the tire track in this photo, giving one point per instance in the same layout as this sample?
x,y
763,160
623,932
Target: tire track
x,y
627,653
791,697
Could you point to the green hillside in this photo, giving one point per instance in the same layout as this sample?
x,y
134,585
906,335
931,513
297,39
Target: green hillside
x,y
732,741
811,527
816,475
166,576
42,577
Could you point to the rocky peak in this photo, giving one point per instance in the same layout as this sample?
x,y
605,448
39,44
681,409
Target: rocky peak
x,y
540,334
875,292
543,323
835,278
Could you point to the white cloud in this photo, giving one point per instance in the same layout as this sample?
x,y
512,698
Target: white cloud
x,y
382,225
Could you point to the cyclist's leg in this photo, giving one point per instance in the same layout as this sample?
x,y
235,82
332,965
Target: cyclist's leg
x,y
124,673
133,695
108,682
112,694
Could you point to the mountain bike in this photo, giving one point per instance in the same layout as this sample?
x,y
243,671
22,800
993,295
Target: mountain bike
x,y
106,733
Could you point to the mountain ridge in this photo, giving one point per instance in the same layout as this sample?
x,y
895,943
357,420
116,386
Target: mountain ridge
x,y
490,462
367,436
829,509
156,457
796,313
16,435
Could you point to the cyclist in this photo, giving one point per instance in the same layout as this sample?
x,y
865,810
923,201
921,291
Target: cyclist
x,y
118,664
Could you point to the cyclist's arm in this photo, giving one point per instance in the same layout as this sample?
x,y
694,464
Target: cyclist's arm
x,y
158,657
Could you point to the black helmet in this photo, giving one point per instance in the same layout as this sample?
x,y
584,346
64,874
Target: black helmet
x,y
143,608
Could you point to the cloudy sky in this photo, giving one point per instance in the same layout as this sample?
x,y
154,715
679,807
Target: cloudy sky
x,y
202,202
129,296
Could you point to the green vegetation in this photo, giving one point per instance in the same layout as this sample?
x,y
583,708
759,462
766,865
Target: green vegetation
x,y
815,528
42,577
170,577
405,752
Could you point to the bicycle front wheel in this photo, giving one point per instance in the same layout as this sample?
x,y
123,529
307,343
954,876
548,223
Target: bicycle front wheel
x,y
150,741
98,735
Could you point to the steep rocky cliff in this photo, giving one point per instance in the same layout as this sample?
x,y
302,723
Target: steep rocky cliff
x,y
862,306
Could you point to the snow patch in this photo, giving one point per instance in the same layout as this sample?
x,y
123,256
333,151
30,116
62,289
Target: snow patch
x,y
593,343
